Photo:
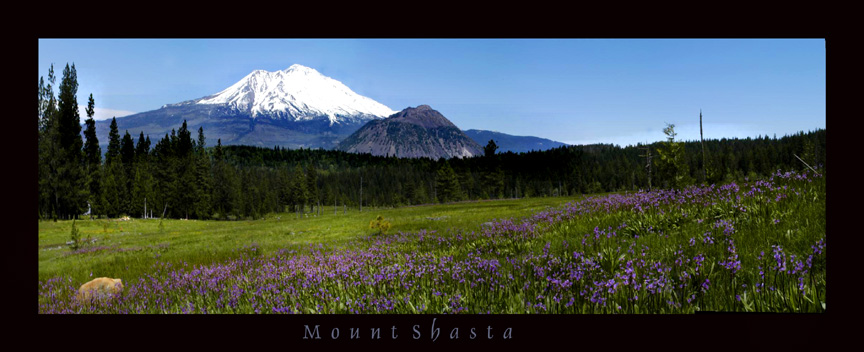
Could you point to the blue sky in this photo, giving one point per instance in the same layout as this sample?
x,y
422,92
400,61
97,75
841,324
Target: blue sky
x,y
576,91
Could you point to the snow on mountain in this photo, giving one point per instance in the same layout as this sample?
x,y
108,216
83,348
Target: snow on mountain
x,y
299,93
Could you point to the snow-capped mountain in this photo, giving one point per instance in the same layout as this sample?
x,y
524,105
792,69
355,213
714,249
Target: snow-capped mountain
x,y
298,93
295,107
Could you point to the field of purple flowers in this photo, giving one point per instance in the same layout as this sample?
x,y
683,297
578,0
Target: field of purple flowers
x,y
755,246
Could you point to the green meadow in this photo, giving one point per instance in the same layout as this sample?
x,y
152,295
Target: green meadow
x,y
757,246
129,249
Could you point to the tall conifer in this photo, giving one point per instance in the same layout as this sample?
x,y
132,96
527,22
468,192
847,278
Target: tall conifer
x,y
48,148
203,178
72,186
93,160
113,141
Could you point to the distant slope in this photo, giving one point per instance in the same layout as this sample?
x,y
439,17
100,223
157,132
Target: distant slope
x,y
412,133
516,144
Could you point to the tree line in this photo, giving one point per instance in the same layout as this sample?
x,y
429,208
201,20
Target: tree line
x,y
181,177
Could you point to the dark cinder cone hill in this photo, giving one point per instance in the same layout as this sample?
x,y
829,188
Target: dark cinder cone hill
x,y
412,133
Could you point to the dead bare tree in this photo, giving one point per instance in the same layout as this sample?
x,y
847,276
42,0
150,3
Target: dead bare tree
x,y
805,163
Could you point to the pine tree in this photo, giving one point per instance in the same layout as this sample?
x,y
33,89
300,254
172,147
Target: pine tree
x,y
48,149
184,167
312,185
184,141
39,143
92,151
113,141
489,149
493,176
127,159
113,186
249,197
72,189
142,148
299,190
42,102
142,199
202,142
447,184
224,183
142,195
69,120
203,179
93,160
127,150
285,188
164,178
496,180
218,154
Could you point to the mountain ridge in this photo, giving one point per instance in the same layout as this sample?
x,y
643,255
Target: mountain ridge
x,y
512,143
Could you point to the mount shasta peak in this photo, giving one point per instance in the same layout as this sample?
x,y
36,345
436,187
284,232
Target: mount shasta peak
x,y
295,107
299,107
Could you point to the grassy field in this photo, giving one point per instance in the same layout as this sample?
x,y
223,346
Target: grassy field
x,y
758,246
129,249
